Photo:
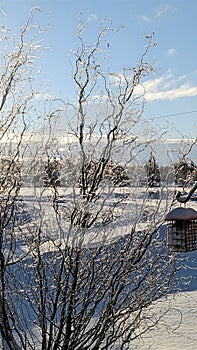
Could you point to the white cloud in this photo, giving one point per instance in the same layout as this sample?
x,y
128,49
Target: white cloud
x,y
168,88
163,10
165,87
166,9
43,96
171,52
144,18
183,91
92,17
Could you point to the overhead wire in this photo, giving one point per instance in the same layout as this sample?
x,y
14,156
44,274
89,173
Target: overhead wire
x,y
174,114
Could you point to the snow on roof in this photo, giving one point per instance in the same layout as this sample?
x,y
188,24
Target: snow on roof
x,y
181,214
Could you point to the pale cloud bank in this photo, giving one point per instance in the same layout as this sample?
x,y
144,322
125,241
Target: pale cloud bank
x,y
167,88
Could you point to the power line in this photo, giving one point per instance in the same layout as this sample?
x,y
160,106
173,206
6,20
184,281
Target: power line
x,y
175,114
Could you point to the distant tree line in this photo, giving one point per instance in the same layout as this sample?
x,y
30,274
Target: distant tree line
x,y
54,172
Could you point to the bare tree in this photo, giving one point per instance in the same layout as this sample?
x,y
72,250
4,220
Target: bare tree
x,y
18,55
81,271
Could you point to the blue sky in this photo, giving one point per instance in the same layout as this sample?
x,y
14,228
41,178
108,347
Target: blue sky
x,y
171,95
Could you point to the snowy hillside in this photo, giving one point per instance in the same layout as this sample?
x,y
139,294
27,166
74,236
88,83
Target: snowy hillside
x,y
176,330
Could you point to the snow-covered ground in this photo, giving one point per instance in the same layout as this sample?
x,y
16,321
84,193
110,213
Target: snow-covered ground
x,y
178,328
127,206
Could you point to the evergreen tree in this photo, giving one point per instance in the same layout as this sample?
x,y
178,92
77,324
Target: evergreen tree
x,y
153,172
